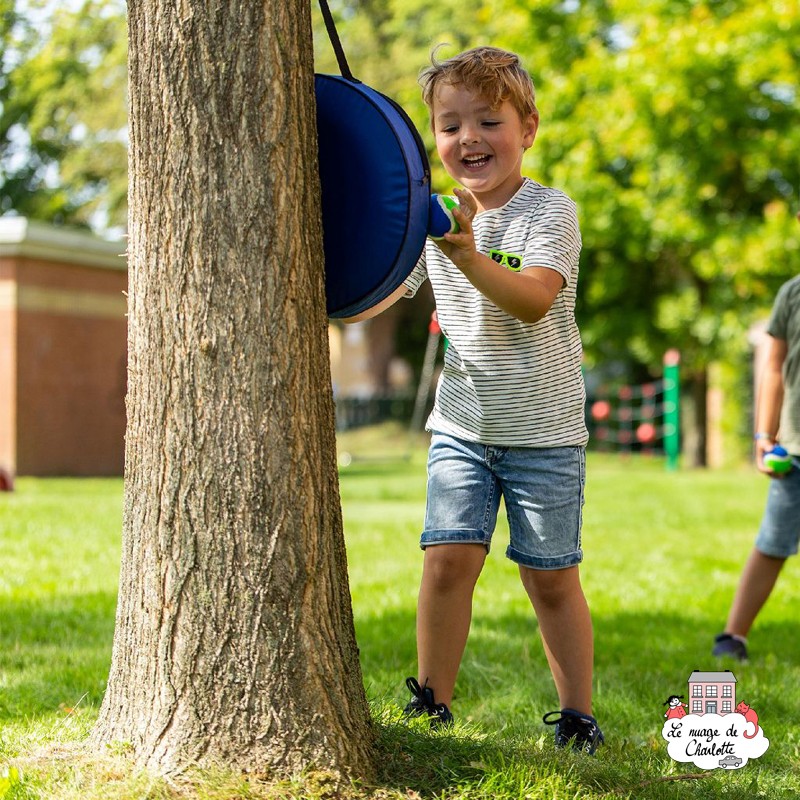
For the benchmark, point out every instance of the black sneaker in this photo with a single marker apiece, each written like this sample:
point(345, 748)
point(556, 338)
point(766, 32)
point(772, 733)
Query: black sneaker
point(726, 644)
point(423, 704)
point(580, 729)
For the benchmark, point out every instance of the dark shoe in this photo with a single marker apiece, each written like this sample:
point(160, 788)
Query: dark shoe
point(423, 704)
point(728, 645)
point(580, 729)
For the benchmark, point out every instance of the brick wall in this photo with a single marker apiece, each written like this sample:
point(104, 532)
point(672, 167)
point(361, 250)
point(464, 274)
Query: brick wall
point(62, 351)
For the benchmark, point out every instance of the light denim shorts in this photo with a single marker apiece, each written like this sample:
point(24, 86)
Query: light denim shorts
point(780, 525)
point(542, 489)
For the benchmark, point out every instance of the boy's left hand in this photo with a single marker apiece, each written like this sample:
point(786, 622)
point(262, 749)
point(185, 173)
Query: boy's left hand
point(460, 247)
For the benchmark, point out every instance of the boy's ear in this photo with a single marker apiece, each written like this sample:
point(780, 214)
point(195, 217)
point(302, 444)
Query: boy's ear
point(529, 127)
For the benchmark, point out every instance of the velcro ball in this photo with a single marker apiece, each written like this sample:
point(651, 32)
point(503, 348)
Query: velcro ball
point(778, 460)
point(440, 216)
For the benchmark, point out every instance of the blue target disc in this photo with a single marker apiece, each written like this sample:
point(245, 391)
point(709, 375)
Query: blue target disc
point(375, 193)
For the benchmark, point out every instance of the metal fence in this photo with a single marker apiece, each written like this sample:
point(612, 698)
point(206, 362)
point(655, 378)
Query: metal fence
point(356, 412)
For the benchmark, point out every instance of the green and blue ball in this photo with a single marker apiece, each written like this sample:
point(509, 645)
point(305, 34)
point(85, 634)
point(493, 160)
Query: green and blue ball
point(440, 216)
point(778, 460)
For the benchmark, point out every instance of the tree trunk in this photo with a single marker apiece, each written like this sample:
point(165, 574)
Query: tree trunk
point(381, 332)
point(695, 424)
point(234, 641)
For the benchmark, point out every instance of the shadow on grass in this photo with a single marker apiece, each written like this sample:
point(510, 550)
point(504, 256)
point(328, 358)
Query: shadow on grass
point(54, 653)
point(640, 659)
point(505, 685)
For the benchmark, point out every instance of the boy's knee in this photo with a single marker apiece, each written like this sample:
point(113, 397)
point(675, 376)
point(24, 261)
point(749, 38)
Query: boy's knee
point(550, 588)
point(450, 567)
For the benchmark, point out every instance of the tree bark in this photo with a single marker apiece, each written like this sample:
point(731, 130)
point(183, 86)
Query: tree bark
point(234, 640)
point(695, 424)
point(381, 333)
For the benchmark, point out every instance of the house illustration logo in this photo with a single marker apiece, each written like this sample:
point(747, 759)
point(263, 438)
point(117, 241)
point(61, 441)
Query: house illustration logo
point(717, 731)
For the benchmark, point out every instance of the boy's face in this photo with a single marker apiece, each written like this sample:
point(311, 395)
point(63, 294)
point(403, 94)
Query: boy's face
point(481, 147)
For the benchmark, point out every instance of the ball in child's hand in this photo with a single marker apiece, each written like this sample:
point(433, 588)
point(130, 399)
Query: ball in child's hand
point(440, 216)
point(778, 460)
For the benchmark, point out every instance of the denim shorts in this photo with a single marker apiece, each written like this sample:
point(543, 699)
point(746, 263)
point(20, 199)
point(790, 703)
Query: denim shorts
point(542, 489)
point(780, 525)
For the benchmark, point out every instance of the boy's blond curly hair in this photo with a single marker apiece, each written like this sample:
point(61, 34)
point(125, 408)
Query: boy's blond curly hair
point(492, 73)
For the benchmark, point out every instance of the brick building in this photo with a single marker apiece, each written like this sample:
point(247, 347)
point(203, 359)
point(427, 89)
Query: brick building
point(63, 345)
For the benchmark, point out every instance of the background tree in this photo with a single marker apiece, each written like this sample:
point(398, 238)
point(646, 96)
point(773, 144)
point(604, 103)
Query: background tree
point(234, 641)
point(63, 129)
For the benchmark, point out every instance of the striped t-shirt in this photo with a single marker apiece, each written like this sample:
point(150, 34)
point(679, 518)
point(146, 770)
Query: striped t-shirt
point(506, 382)
point(784, 324)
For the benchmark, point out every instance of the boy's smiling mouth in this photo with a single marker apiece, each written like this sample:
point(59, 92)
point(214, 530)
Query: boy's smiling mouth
point(476, 161)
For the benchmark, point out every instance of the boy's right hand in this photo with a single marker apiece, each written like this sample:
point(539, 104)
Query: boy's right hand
point(460, 247)
point(763, 446)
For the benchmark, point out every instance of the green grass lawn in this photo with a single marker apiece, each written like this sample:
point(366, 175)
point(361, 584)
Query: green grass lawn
point(663, 553)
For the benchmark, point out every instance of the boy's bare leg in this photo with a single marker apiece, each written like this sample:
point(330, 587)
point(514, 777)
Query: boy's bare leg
point(444, 613)
point(566, 628)
point(758, 579)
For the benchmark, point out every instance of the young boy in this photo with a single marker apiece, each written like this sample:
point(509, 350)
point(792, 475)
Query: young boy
point(778, 413)
point(508, 418)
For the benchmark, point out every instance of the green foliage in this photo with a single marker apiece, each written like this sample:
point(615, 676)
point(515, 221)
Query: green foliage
point(63, 151)
point(678, 139)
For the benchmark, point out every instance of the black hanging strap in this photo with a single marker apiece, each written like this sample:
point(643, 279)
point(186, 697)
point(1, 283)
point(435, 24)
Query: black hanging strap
point(337, 45)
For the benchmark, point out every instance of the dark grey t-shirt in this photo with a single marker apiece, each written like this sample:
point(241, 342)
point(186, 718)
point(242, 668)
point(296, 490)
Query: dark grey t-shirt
point(785, 324)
